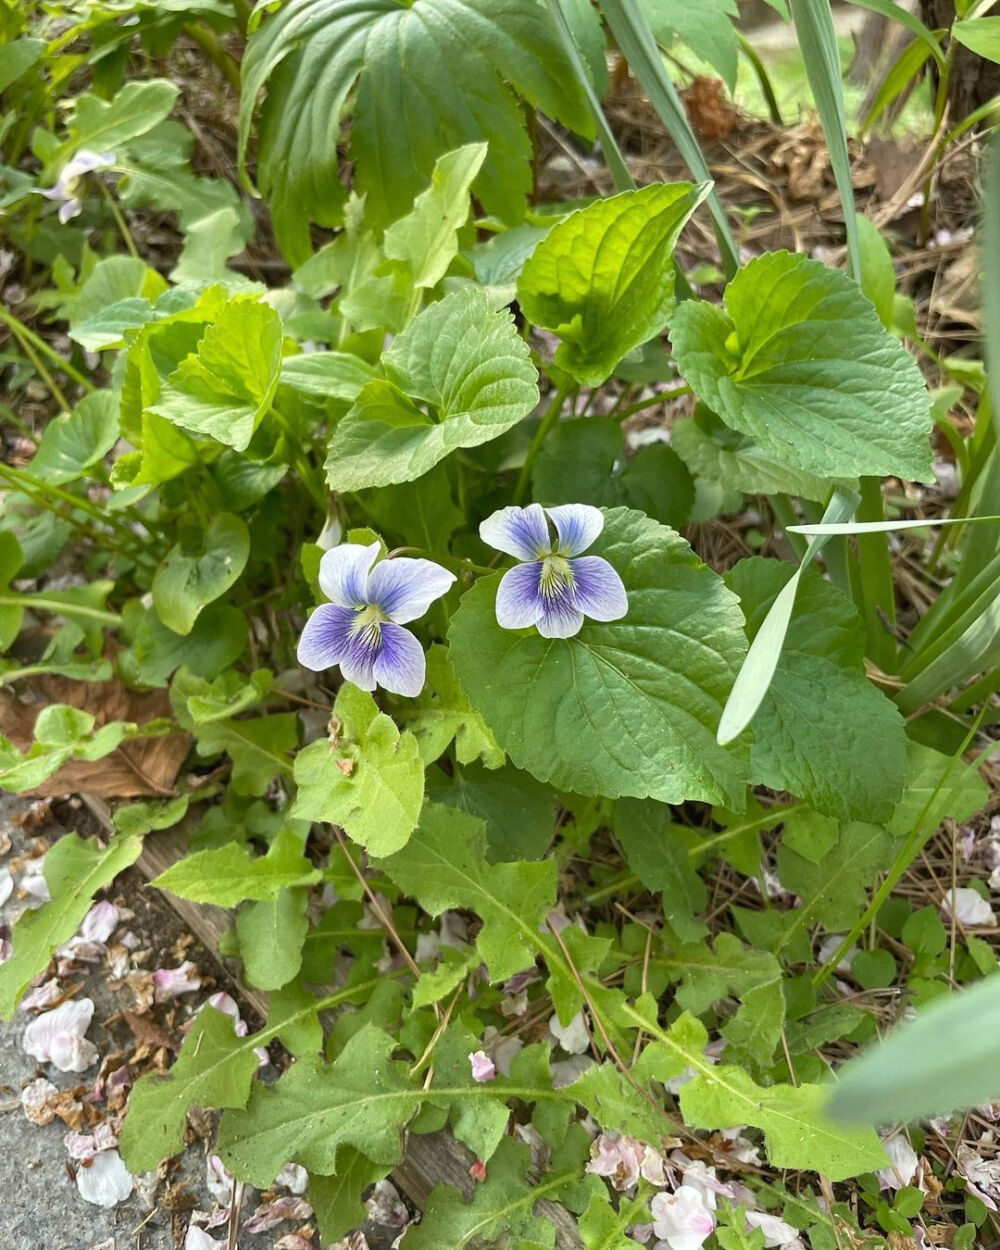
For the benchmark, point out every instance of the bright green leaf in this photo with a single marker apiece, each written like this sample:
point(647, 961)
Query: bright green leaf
point(370, 779)
point(75, 870)
point(461, 359)
point(189, 579)
point(799, 362)
point(230, 874)
point(603, 279)
point(823, 731)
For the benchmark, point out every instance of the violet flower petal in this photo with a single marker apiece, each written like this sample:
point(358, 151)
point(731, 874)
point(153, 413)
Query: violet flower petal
point(598, 591)
point(519, 599)
point(519, 532)
point(404, 589)
point(400, 666)
point(326, 638)
point(343, 573)
point(578, 525)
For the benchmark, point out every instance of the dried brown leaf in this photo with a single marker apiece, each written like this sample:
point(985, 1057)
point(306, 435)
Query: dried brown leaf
point(144, 767)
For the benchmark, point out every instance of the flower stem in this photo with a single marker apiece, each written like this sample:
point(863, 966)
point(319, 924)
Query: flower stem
point(547, 422)
point(34, 347)
point(120, 222)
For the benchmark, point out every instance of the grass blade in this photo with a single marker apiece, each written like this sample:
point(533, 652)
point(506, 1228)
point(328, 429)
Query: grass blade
point(617, 167)
point(818, 43)
point(912, 23)
point(635, 39)
point(757, 672)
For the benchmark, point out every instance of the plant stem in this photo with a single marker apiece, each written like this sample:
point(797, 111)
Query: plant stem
point(547, 422)
point(32, 344)
point(120, 222)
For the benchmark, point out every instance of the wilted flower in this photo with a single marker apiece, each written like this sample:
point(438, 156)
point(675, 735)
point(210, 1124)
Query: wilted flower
point(556, 587)
point(66, 191)
point(361, 627)
point(617, 1158)
point(482, 1066)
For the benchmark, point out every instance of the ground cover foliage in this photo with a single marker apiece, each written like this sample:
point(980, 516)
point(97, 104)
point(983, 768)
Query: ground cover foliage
point(545, 830)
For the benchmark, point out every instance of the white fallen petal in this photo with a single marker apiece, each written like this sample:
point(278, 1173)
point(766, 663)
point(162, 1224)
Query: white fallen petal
point(43, 995)
point(776, 1232)
point(902, 1169)
point(573, 1037)
point(829, 945)
point(106, 1181)
point(80, 1146)
point(169, 982)
point(50, 1036)
point(100, 922)
point(385, 1206)
point(294, 1177)
point(198, 1239)
point(969, 908)
point(681, 1220)
point(482, 1066)
point(618, 1158)
point(6, 885)
point(33, 883)
point(35, 1100)
point(218, 1181)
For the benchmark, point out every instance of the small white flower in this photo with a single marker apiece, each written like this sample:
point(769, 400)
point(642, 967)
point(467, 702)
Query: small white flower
point(682, 1220)
point(482, 1066)
point(573, 1037)
point(57, 1037)
point(903, 1163)
point(105, 1181)
point(66, 191)
point(969, 907)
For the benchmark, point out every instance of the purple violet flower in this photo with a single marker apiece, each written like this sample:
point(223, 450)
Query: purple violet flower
point(556, 587)
point(361, 627)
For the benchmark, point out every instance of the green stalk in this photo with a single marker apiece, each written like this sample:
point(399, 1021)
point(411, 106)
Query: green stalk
point(908, 852)
point(818, 43)
point(617, 167)
point(876, 597)
point(30, 340)
point(635, 38)
point(763, 78)
point(547, 422)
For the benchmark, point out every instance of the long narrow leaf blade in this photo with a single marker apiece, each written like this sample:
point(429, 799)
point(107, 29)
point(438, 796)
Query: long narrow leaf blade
point(757, 672)
point(948, 1058)
point(818, 44)
point(635, 38)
